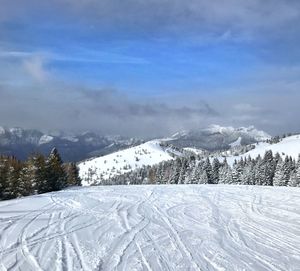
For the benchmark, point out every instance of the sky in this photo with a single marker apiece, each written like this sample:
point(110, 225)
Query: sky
point(149, 68)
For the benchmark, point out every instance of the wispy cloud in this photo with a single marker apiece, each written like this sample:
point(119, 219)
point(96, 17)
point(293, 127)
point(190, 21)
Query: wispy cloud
point(35, 67)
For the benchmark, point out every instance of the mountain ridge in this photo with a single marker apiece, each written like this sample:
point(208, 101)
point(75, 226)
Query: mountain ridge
point(21, 142)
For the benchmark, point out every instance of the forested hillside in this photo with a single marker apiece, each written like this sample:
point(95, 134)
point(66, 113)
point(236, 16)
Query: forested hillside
point(38, 174)
point(267, 170)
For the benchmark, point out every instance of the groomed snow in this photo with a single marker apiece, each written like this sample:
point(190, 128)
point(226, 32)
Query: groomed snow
point(107, 166)
point(194, 227)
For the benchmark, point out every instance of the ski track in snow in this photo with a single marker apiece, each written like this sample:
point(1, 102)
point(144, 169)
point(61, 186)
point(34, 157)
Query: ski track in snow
point(176, 227)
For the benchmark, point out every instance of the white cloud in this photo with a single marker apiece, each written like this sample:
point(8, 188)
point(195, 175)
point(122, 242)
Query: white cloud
point(35, 67)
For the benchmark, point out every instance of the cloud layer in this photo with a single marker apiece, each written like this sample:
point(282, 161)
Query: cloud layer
point(149, 68)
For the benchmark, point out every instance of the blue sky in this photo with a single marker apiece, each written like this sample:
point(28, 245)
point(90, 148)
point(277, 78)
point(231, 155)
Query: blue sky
point(133, 67)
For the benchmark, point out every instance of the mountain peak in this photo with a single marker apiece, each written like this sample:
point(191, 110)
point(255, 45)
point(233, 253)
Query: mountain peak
point(217, 137)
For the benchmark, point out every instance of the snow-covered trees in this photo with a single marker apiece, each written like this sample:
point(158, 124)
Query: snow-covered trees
point(269, 170)
point(283, 171)
point(215, 171)
point(225, 173)
point(35, 175)
point(295, 175)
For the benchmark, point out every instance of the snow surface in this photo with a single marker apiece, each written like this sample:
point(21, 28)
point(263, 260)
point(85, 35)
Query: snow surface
point(236, 143)
point(116, 163)
point(71, 138)
point(179, 227)
point(194, 150)
point(45, 139)
point(16, 131)
point(250, 131)
point(288, 146)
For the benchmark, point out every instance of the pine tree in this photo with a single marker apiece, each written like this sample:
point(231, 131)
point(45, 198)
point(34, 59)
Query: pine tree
point(225, 173)
point(72, 172)
point(174, 178)
point(26, 187)
point(14, 167)
point(208, 169)
point(36, 174)
point(215, 171)
point(282, 172)
point(56, 176)
point(267, 169)
point(237, 171)
point(4, 192)
point(183, 171)
point(203, 178)
point(258, 172)
point(293, 181)
point(195, 174)
point(295, 175)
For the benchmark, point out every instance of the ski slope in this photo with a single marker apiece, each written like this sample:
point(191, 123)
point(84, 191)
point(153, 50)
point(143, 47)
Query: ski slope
point(194, 227)
point(153, 152)
point(289, 146)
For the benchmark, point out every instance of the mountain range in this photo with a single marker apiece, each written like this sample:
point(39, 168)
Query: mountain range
point(22, 142)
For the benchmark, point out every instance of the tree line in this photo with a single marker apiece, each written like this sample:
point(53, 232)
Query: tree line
point(267, 170)
point(38, 174)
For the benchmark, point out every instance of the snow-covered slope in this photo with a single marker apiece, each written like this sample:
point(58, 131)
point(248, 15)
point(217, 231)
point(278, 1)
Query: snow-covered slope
point(153, 152)
point(216, 137)
point(250, 131)
point(177, 227)
point(288, 146)
point(194, 151)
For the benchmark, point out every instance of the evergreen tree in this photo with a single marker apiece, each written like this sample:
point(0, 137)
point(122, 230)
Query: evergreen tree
point(237, 171)
point(295, 175)
point(72, 172)
point(215, 171)
point(56, 176)
point(282, 172)
point(195, 174)
point(25, 182)
point(174, 178)
point(183, 171)
point(258, 172)
point(4, 187)
point(203, 178)
point(36, 174)
point(14, 167)
point(208, 169)
point(225, 173)
point(267, 169)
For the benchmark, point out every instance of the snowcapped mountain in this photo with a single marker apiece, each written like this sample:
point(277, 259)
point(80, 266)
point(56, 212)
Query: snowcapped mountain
point(153, 152)
point(216, 137)
point(22, 142)
point(288, 146)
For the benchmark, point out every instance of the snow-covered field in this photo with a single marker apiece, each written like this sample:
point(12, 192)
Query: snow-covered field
point(177, 227)
point(152, 152)
point(289, 146)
